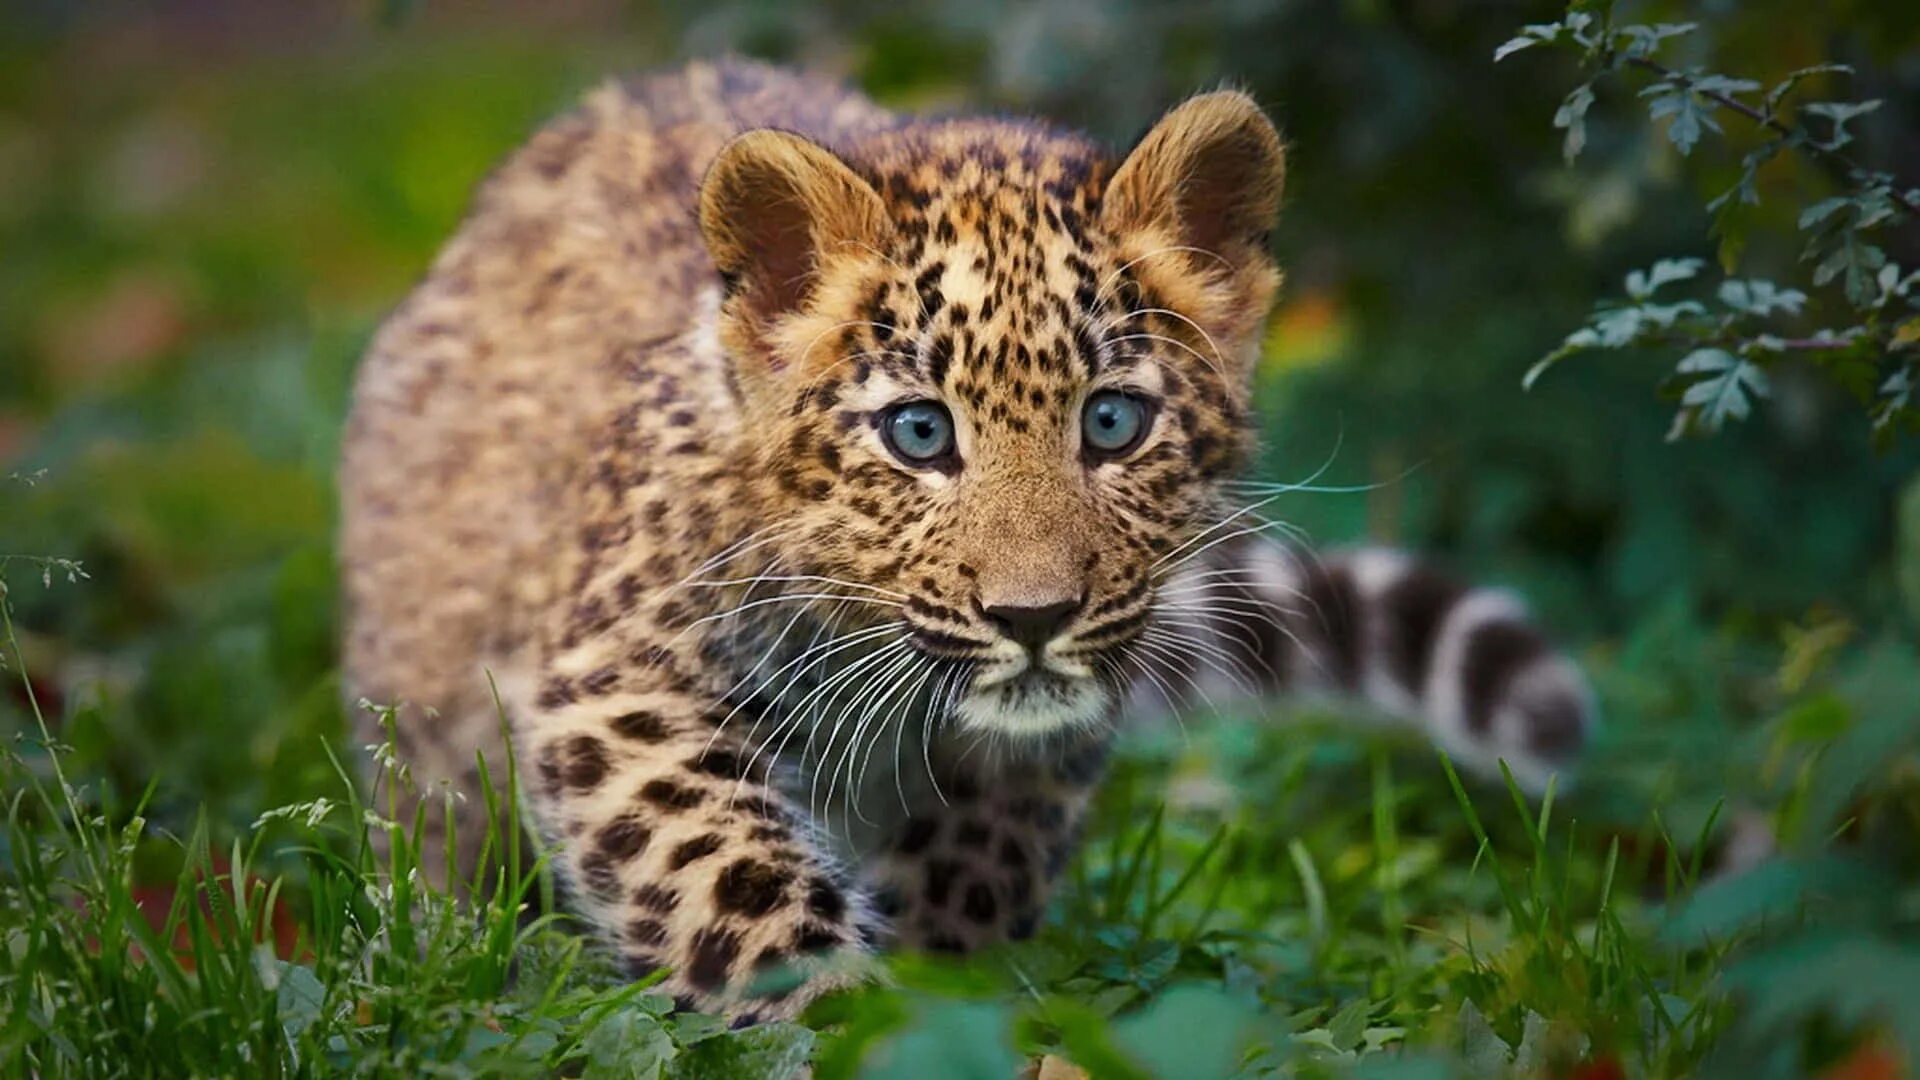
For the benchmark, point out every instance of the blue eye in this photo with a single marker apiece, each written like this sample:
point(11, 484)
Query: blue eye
point(1114, 423)
point(919, 432)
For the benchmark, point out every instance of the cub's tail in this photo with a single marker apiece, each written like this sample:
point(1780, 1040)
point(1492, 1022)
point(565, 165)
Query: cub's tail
point(1468, 664)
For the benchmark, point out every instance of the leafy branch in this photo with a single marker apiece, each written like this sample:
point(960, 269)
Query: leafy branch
point(1873, 352)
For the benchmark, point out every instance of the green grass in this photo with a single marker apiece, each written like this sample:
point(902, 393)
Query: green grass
point(1254, 899)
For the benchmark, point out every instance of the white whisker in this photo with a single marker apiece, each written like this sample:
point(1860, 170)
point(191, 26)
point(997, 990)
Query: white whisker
point(1101, 293)
point(814, 578)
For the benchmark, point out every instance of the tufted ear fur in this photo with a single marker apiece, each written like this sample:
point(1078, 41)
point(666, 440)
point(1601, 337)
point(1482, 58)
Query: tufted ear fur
point(1207, 179)
point(774, 208)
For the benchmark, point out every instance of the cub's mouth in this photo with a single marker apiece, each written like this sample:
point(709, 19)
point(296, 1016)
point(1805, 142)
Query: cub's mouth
point(1027, 685)
point(1033, 701)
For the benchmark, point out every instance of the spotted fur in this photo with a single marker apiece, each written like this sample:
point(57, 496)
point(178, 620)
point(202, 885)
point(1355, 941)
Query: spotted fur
point(777, 691)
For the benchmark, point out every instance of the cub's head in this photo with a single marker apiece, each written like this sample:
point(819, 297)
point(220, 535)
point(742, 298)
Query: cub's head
point(995, 379)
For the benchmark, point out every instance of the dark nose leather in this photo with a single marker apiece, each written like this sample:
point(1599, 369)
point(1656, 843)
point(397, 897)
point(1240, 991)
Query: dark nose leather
point(1032, 626)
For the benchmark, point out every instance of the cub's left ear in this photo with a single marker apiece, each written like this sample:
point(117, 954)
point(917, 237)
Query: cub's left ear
point(774, 209)
point(1207, 178)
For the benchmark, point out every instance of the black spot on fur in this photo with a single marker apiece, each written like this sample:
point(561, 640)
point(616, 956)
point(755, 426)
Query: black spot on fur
point(972, 834)
point(646, 932)
point(549, 768)
point(919, 833)
point(939, 885)
point(1414, 608)
point(554, 693)
point(623, 838)
point(724, 764)
point(755, 806)
point(711, 958)
point(599, 874)
point(645, 726)
point(671, 796)
point(1020, 890)
point(751, 888)
point(693, 850)
point(825, 901)
point(979, 904)
point(814, 938)
point(1332, 610)
point(656, 898)
point(586, 763)
point(1495, 653)
point(599, 682)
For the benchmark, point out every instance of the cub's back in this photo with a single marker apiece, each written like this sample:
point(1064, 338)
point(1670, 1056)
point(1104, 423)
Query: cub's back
point(485, 392)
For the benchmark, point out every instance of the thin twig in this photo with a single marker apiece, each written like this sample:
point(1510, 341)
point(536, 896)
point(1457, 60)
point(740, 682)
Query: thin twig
point(1768, 121)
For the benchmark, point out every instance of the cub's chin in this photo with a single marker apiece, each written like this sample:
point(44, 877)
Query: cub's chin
point(1035, 704)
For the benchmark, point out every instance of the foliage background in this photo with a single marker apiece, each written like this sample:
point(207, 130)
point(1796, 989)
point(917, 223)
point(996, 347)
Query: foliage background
point(205, 208)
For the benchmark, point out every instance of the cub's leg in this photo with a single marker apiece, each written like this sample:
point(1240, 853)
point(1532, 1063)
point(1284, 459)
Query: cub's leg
point(976, 868)
point(1467, 664)
point(686, 860)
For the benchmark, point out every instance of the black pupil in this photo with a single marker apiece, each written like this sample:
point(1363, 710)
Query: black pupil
point(923, 428)
point(1108, 415)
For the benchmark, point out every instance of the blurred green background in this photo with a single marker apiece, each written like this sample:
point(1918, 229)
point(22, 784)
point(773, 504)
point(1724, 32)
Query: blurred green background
point(206, 207)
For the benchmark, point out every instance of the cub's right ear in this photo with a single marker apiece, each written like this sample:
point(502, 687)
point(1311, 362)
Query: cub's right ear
point(774, 207)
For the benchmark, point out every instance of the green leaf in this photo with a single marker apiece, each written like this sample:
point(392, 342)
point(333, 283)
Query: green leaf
point(1785, 86)
point(771, 1050)
point(1349, 1025)
point(1855, 979)
point(1855, 262)
point(1896, 397)
point(1726, 388)
point(1681, 108)
point(1513, 45)
point(1482, 1049)
point(629, 1045)
point(1545, 1043)
point(953, 1040)
point(1572, 118)
point(1190, 1031)
point(1822, 210)
point(1727, 906)
point(1756, 297)
point(298, 996)
point(1643, 41)
point(1641, 285)
point(1529, 36)
point(1840, 113)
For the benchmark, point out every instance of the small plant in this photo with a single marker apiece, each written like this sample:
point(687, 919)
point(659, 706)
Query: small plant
point(1865, 309)
point(303, 947)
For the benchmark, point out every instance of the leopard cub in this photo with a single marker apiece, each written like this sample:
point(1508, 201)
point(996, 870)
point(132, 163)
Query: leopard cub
point(820, 486)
